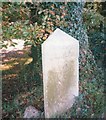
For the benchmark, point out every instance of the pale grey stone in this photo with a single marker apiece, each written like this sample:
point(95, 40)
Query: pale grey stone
point(31, 112)
point(60, 54)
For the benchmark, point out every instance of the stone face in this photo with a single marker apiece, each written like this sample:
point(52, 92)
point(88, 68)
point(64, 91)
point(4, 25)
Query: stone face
point(60, 54)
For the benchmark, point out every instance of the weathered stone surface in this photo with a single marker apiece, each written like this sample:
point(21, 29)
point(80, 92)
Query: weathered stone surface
point(60, 54)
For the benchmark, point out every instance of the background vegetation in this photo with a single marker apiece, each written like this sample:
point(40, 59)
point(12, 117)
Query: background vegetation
point(34, 23)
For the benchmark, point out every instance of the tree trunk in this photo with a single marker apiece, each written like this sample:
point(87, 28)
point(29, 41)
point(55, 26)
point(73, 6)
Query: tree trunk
point(90, 76)
point(90, 101)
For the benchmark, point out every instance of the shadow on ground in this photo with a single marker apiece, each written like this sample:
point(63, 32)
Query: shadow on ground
point(21, 84)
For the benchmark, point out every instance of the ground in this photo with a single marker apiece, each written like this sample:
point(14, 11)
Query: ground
point(19, 86)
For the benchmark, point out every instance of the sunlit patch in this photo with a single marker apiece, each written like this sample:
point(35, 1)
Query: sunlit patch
point(6, 60)
point(20, 52)
point(19, 45)
point(10, 61)
point(16, 63)
point(28, 61)
point(5, 67)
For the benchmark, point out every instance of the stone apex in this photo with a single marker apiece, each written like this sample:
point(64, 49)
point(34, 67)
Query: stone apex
point(60, 37)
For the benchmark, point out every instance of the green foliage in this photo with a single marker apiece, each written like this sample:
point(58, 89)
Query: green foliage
point(46, 17)
point(15, 11)
point(94, 23)
point(97, 44)
point(92, 19)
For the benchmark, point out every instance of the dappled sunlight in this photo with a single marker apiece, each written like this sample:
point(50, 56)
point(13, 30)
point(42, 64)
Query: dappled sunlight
point(25, 28)
point(20, 52)
point(18, 80)
point(5, 67)
point(29, 60)
point(19, 45)
point(8, 77)
point(10, 63)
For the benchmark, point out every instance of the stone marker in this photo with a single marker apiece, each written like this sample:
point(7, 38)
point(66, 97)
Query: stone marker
point(60, 54)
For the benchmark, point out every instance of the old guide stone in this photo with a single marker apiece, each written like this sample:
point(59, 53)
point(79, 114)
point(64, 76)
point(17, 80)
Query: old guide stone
point(60, 54)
